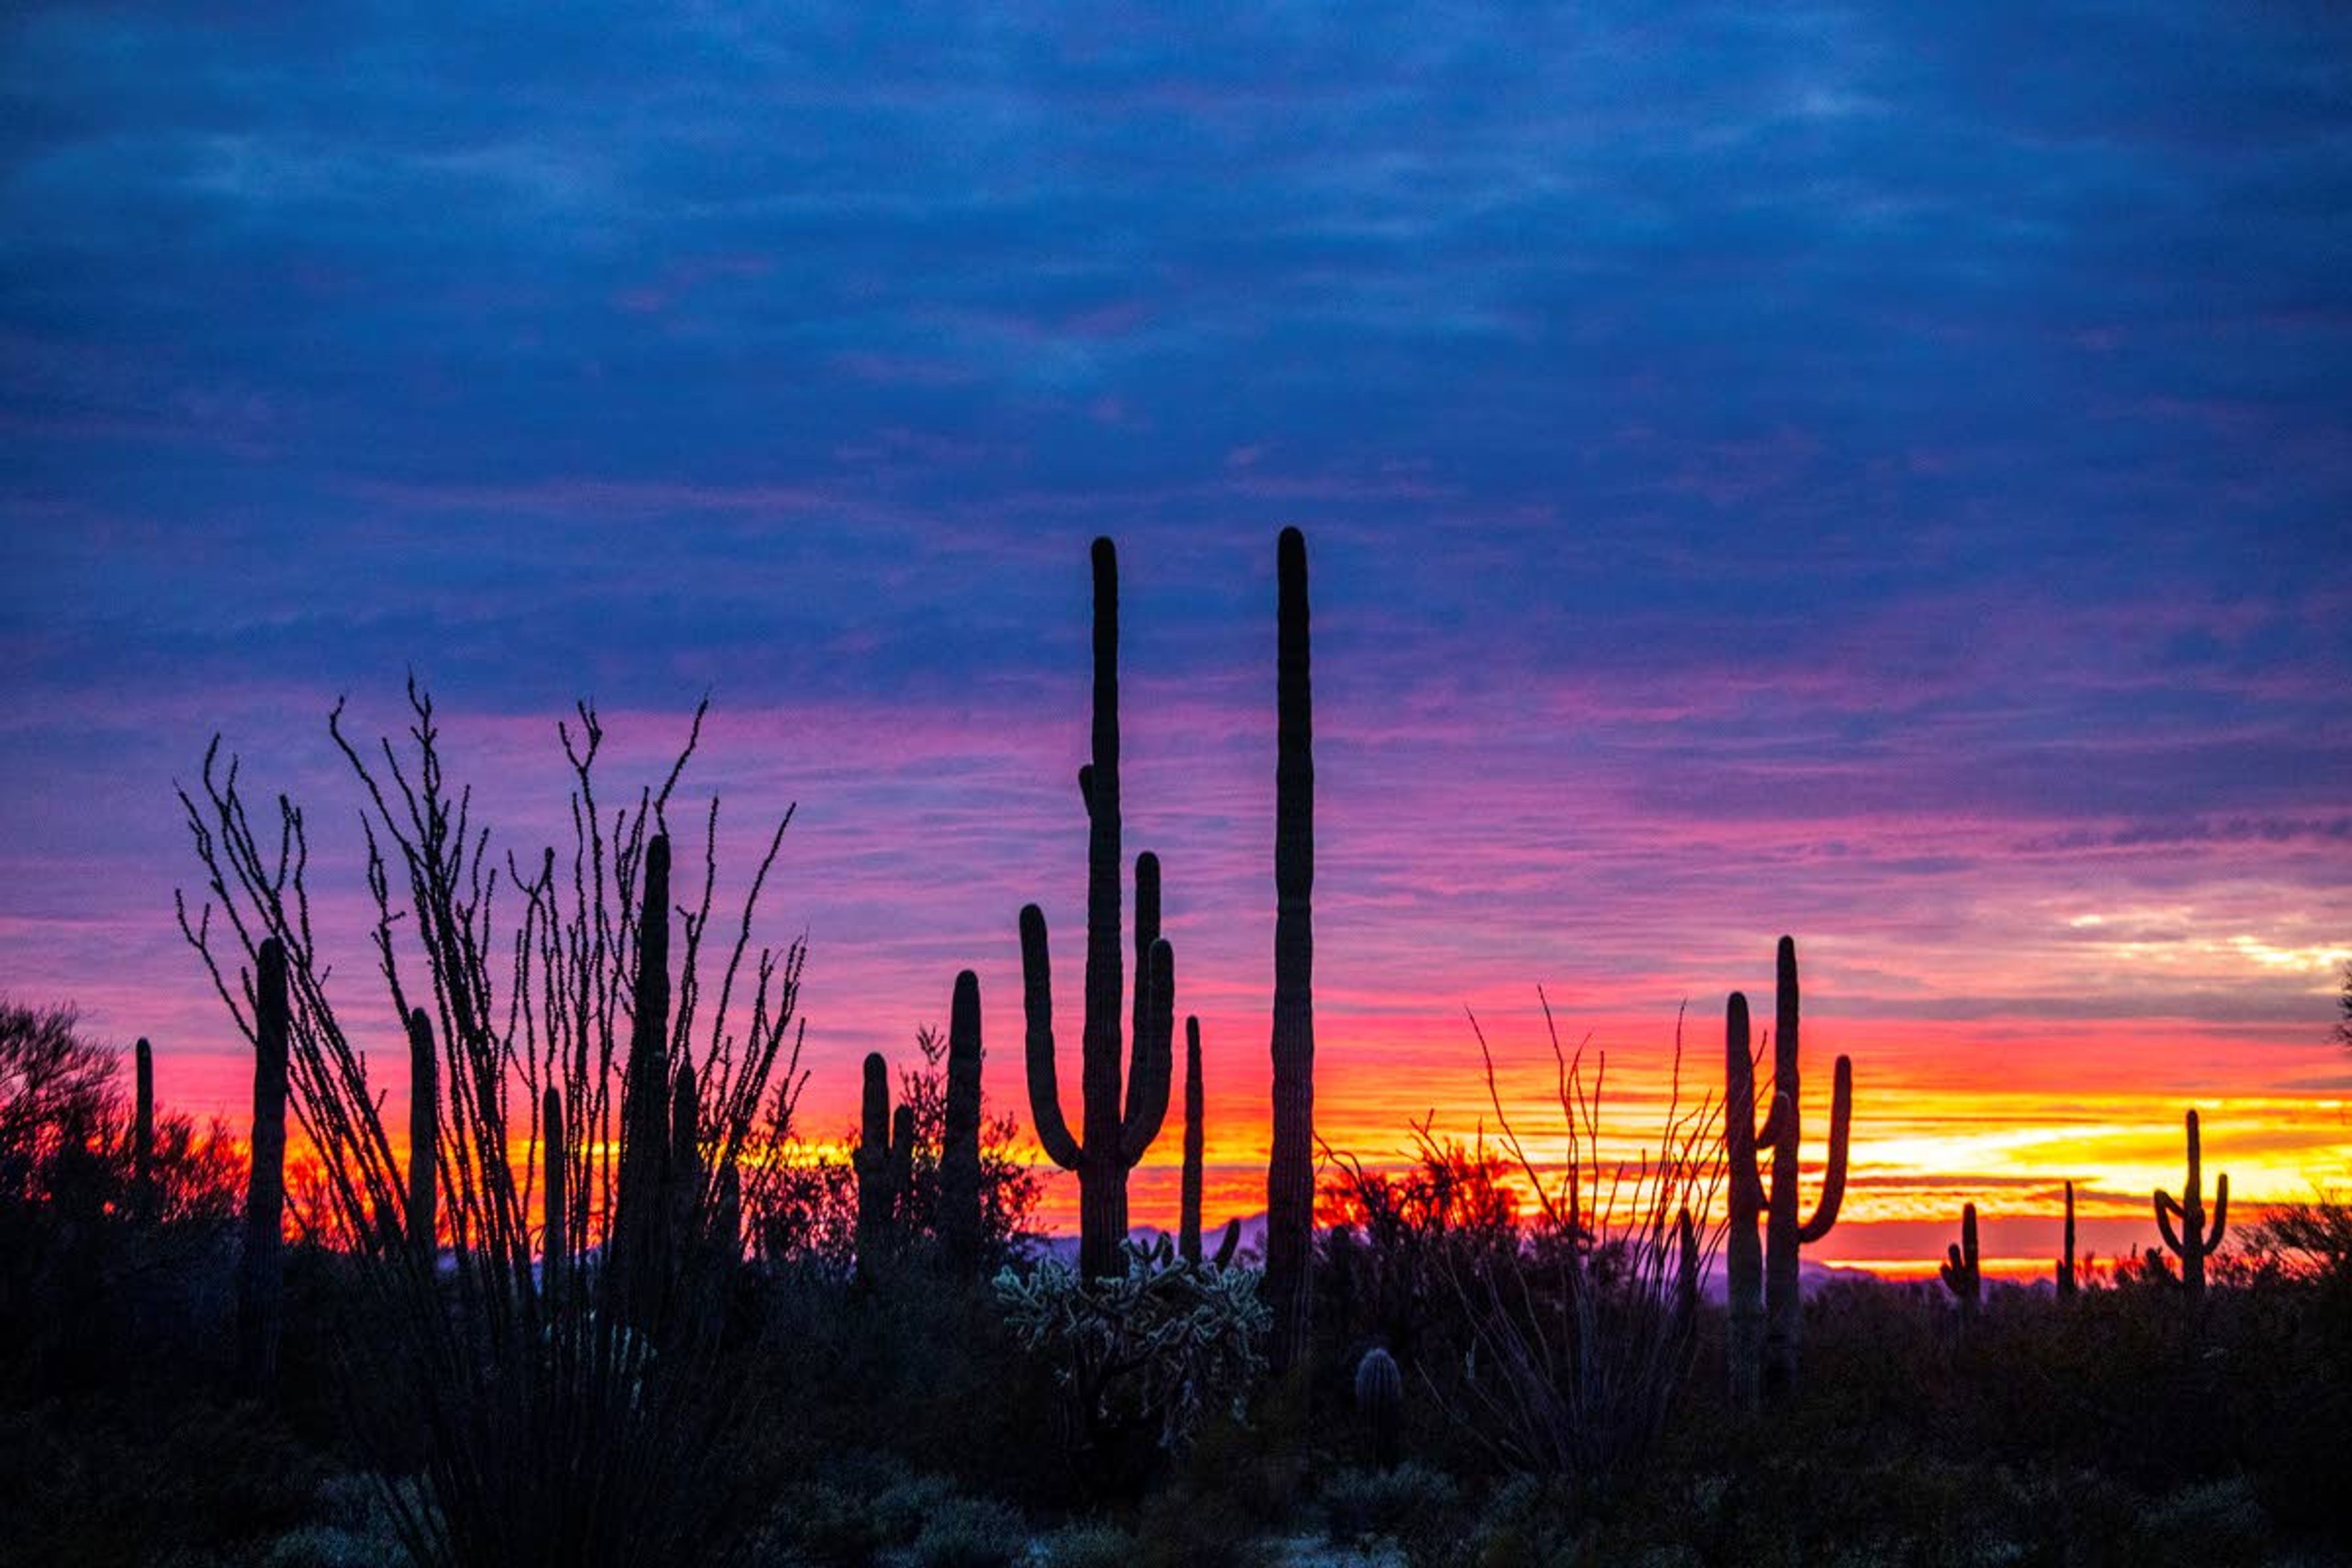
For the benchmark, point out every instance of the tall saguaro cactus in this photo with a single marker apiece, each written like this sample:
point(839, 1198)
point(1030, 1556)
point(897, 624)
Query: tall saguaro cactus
point(959, 1217)
point(2066, 1259)
point(1785, 1233)
point(1743, 1248)
point(2192, 1243)
point(261, 1268)
point(423, 1115)
point(1123, 1109)
point(639, 1242)
point(1187, 1201)
point(1290, 1170)
point(1961, 1270)
point(142, 1133)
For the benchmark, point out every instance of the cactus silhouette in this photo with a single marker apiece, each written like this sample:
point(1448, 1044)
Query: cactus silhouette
point(1685, 1273)
point(685, 1157)
point(884, 1148)
point(1231, 1244)
point(959, 1215)
point(639, 1243)
point(2193, 1242)
point(1116, 1134)
point(424, 1108)
point(2066, 1257)
point(261, 1268)
point(1784, 1233)
point(142, 1133)
point(1188, 1203)
point(1379, 1401)
point(555, 1253)
point(1961, 1271)
point(1743, 1248)
point(1290, 1169)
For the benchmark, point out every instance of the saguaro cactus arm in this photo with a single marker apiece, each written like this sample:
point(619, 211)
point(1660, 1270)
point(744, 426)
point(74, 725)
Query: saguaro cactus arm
point(1825, 1212)
point(1146, 1085)
point(1037, 1005)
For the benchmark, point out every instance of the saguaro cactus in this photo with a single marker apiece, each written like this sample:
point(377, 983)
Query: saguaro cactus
point(142, 1133)
point(884, 1148)
point(639, 1243)
point(1743, 1248)
point(1290, 1170)
point(261, 1268)
point(2066, 1259)
point(555, 1252)
point(1785, 1233)
point(1188, 1200)
point(959, 1216)
point(2192, 1243)
point(685, 1156)
point(1961, 1271)
point(423, 1112)
point(1685, 1273)
point(1115, 1135)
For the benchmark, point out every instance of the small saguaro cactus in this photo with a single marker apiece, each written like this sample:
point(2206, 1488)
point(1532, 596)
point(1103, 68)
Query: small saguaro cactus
point(424, 1110)
point(1379, 1401)
point(2066, 1257)
point(142, 1133)
point(685, 1156)
point(959, 1215)
point(1686, 1264)
point(555, 1253)
point(261, 1267)
point(2193, 1242)
point(1187, 1201)
point(1961, 1271)
point(1230, 1245)
point(885, 1153)
point(1123, 1107)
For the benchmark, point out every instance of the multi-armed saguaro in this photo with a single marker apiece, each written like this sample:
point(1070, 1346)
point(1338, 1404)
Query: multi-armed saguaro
point(1775, 1299)
point(1290, 1170)
point(2193, 1242)
point(1116, 1133)
point(1961, 1270)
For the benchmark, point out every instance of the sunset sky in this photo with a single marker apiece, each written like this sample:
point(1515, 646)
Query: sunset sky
point(1881, 474)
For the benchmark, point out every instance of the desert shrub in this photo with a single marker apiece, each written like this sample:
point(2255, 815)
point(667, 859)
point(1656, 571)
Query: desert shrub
point(1088, 1545)
point(1409, 1504)
point(1151, 1350)
point(969, 1533)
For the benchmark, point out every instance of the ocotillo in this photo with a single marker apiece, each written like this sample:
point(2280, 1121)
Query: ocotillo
point(1290, 1169)
point(2192, 1243)
point(1120, 1118)
point(1961, 1271)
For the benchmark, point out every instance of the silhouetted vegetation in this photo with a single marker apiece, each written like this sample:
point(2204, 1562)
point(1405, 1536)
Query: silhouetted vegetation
point(616, 1305)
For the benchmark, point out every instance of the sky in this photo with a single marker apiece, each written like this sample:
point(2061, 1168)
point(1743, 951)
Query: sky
point(1879, 474)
